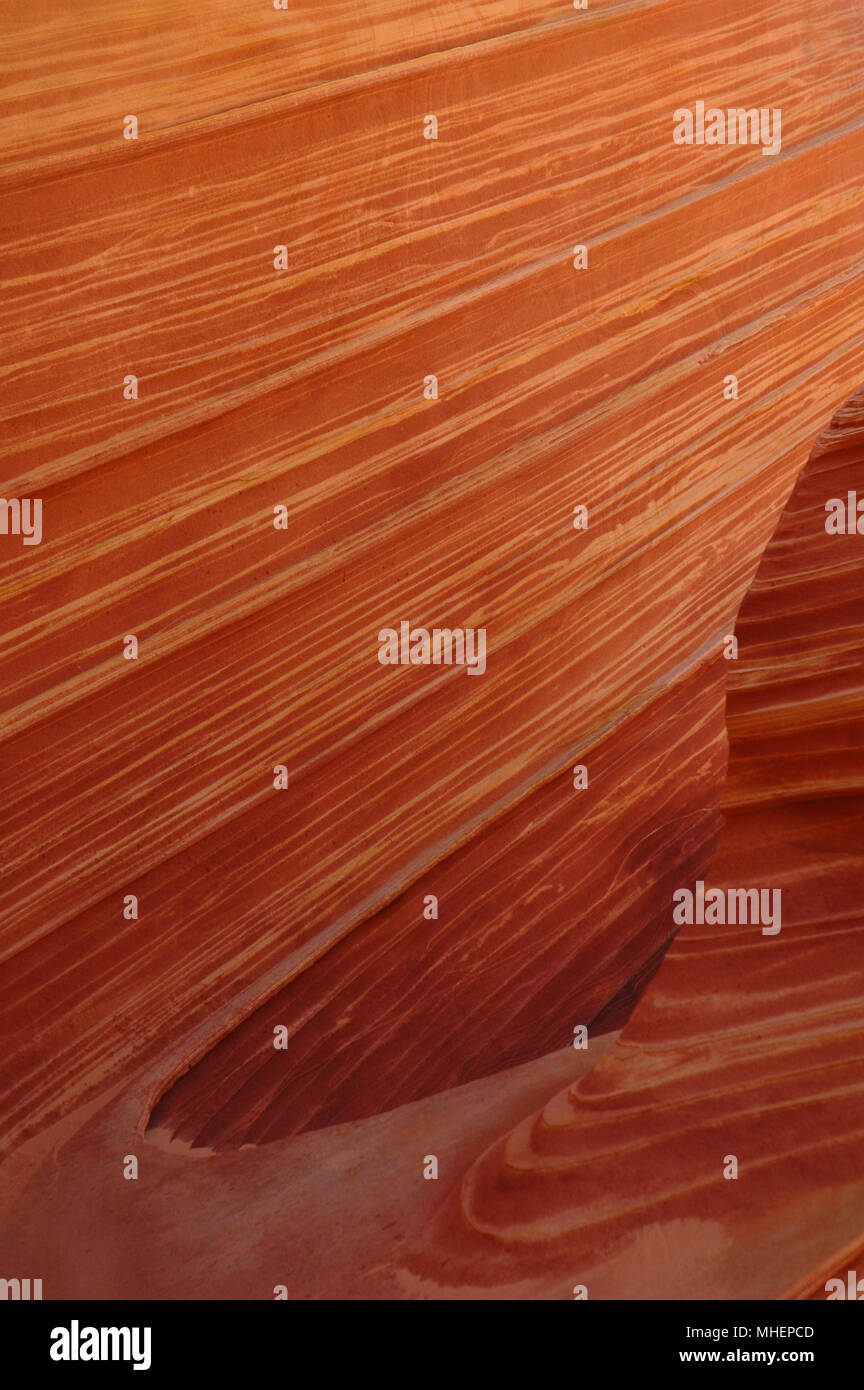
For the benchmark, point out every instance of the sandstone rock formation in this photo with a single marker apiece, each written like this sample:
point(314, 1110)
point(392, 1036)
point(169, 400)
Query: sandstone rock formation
point(303, 908)
point(744, 1044)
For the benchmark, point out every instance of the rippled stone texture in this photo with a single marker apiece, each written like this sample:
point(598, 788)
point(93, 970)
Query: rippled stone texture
point(744, 1045)
point(558, 387)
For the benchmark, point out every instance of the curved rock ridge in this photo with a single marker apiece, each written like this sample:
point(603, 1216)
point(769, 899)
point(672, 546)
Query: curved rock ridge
point(744, 1045)
point(794, 705)
point(362, 1022)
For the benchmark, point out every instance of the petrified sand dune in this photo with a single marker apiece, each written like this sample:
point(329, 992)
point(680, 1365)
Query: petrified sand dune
point(743, 1045)
point(303, 387)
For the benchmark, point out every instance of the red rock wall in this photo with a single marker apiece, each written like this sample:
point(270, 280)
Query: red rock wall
point(304, 387)
point(745, 1044)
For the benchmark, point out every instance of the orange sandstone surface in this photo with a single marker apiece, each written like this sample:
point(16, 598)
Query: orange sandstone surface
point(410, 1035)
